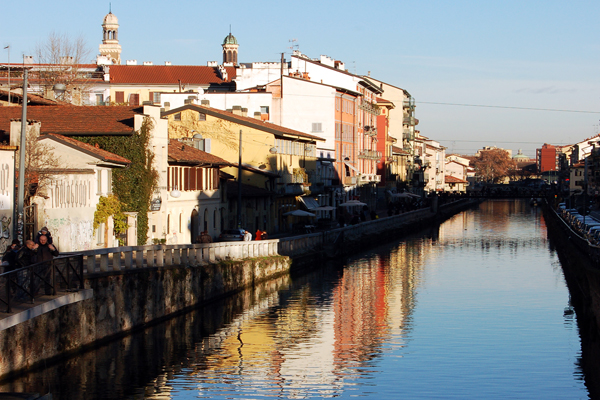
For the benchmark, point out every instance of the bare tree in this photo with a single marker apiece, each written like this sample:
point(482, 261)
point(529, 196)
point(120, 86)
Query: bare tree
point(41, 165)
point(62, 60)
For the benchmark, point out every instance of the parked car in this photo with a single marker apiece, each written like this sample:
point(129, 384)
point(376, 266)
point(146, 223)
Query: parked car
point(232, 235)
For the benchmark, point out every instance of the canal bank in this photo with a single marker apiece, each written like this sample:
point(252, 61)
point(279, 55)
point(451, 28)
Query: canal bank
point(129, 299)
point(582, 276)
point(470, 308)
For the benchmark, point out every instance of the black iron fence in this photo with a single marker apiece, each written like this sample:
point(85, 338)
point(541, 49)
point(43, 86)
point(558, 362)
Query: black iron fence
point(24, 285)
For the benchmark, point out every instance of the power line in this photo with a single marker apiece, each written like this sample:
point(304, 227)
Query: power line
point(508, 107)
point(491, 140)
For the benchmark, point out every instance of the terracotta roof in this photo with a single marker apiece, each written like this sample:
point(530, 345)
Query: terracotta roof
point(87, 148)
point(168, 74)
point(247, 121)
point(399, 150)
point(453, 179)
point(32, 99)
point(182, 153)
point(71, 121)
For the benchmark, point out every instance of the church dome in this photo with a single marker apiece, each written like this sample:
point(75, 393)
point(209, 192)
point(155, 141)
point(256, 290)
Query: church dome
point(110, 19)
point(230, 39)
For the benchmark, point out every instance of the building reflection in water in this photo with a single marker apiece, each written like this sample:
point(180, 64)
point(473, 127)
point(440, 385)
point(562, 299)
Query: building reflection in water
point(310, 336)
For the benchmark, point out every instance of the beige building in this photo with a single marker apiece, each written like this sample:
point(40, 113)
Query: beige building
point(276, 160)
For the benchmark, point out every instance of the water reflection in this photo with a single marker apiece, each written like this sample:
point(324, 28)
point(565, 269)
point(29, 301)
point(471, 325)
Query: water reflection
point(472, 308)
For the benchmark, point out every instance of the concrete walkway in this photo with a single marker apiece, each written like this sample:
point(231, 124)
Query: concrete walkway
point(25, 311)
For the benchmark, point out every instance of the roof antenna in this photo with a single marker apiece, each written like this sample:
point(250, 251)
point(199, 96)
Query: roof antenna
point(109, 8)
point(229, 29)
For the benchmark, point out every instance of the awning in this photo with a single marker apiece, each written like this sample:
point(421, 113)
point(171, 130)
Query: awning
point(309, 202)
point(353, 168)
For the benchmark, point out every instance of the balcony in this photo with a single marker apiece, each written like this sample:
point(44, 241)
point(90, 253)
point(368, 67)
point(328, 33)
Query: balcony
point(410, 121)
point(369, 154)
point(350, 180)
point(369, 107)
point(370, 130)
point(291, 189)
point(365, 178)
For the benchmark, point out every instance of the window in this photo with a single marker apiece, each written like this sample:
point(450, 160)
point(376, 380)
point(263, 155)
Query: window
point(177, 117)
point(155, 97)
point(99, 99)
point(201, 117)
point(119, 97)
point(109, 181)
point(264, 109)
point(99, 179)
point(317, 127)
point(134, 99)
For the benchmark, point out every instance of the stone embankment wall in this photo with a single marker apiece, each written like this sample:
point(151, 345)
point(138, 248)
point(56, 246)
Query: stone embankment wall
point(129, 288)
point(351, 239)
point(125, 300)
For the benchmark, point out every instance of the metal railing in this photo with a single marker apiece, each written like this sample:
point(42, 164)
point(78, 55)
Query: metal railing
point(63, 273)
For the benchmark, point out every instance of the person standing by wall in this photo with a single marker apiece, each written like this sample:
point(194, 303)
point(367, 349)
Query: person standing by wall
point(45, 250)
point(45, 253)
point(10, 256)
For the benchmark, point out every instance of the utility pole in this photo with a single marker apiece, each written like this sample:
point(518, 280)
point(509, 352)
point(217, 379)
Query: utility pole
point(21, 194)
point(239, 200)
point(8, 48)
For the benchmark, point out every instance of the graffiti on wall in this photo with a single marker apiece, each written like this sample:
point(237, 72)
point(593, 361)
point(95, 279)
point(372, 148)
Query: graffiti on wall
point(74, 235)
point(5, 227)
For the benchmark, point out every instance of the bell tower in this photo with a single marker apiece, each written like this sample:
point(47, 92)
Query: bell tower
point(110, 46)
point(230, 49)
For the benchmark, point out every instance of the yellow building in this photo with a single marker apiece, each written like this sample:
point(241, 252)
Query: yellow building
point(276, 161)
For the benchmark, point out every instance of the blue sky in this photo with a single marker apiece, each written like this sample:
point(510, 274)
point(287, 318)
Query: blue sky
point(531, 54)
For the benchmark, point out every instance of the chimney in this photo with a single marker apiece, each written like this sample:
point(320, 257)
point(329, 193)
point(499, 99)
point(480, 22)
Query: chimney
point(15, 130)
point(257, 115)
point(237, 110)
point(244, 112)
point(167, 63)
point(131, 62)
point(147, 62)
point(167, 106)
point(205, 103)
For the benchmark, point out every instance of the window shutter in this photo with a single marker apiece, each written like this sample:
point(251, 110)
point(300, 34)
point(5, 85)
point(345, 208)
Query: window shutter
point(119, 97)
point(169, 171)
point(151, 97)
point(186, 179)
point(134, 99)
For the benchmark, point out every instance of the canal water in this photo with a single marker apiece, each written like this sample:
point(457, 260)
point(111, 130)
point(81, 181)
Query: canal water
point(474, 308)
